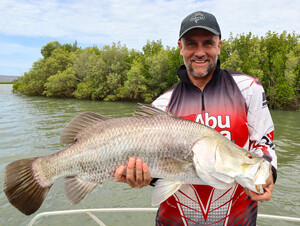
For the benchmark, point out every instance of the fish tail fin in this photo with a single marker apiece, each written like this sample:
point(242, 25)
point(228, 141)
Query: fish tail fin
point(21, 187)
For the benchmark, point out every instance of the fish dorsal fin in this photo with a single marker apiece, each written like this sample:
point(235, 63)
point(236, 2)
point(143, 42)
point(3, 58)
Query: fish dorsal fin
point(146, 110)
point(77, 189)
point(77, 124)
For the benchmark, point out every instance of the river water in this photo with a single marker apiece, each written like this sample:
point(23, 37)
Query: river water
point(31, 126)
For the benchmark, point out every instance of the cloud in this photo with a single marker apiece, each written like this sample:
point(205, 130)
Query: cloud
point(89, 21)
point(15, 59)
point(14, 67)
point(8, 48)
point(257, 17)
point(133, 22)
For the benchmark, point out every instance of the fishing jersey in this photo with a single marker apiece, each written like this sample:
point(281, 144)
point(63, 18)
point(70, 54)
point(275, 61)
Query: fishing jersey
point(235, 105)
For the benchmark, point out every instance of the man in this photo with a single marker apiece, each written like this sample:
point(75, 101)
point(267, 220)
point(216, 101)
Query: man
point(230, 102)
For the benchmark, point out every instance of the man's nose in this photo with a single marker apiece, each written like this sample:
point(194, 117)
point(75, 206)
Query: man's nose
point(200, 51)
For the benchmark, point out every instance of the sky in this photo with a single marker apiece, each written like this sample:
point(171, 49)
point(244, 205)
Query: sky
point(27, 25)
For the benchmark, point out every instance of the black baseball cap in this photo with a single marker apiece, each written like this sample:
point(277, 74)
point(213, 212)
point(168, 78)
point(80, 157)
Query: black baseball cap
point(202, 20)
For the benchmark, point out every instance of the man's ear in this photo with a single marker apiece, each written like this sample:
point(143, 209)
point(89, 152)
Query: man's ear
point(219, 47)
point(180, 46)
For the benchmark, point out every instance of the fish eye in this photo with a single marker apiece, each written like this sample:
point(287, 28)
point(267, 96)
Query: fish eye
point(250, 156)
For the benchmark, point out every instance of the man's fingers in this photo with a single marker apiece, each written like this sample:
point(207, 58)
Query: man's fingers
point(147, 178)
point(259, 197)
point(266, 196)
point(139, 173)
point(130, 172)
point(247, 191)
point(119, 174)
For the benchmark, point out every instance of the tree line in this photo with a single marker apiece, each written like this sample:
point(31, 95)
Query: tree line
point(116, 73)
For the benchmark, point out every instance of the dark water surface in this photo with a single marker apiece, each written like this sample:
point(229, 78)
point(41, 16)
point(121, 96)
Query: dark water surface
point(31, 126)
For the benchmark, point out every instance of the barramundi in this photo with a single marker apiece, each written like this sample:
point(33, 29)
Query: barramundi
point(177, 151)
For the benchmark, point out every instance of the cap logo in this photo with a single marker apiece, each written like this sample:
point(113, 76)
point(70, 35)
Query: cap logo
point(197, 17)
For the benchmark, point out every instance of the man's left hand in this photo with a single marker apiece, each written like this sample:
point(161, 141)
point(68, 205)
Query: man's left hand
point(266, 196)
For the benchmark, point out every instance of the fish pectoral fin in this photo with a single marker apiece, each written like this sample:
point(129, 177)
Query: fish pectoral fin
point(82, 121)
point(172, 166)
point(77, 189)
point(164, 188)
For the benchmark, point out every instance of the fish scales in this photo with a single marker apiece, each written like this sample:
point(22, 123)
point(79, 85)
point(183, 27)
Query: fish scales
point(105, 145)
point(177, 150)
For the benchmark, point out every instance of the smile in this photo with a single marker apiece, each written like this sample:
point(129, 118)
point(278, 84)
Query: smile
point(200, 62)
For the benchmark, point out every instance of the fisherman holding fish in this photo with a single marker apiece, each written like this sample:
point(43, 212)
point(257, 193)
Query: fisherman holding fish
point(230, 102)
point(207, 143)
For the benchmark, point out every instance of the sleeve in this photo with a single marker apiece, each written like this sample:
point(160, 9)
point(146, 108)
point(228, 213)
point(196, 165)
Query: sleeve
point(260, 124)
point(163, 101)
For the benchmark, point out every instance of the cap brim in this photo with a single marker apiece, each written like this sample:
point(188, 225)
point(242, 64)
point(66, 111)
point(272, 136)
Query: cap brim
point(200, 27)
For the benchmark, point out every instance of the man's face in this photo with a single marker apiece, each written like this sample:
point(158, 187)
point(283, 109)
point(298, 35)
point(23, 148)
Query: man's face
point(200, 49)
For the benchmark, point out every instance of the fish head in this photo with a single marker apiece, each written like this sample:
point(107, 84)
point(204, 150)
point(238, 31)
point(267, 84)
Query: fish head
point(219, 162)
point(204, 158)
point(250, 158)
point(247, 168)
point(255, 175)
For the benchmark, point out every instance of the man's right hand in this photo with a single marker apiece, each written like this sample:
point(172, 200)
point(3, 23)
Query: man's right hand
point(137, 173)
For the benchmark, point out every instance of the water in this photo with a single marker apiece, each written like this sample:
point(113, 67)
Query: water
point(31, 126)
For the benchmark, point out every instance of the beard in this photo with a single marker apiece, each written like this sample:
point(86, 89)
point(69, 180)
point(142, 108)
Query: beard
point(210, 69)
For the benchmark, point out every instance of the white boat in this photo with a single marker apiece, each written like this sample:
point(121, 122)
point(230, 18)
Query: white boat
point(143, 210)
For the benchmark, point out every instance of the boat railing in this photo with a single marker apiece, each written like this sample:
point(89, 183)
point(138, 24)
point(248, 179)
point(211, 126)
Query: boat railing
point(112, 210)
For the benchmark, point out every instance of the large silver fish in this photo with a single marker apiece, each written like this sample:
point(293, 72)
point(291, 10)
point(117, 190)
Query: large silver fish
point(177, 150)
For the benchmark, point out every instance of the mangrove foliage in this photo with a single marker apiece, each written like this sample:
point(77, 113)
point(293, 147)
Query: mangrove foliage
point(115, 73)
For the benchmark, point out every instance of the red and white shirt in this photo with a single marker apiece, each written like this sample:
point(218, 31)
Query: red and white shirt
point(235, 105)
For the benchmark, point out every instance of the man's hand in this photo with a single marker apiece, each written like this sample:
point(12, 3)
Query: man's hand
point(137, 173)
point(266, 196)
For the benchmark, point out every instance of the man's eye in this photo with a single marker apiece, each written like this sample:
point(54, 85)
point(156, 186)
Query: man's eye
point(191, 44)
point(209, 43)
